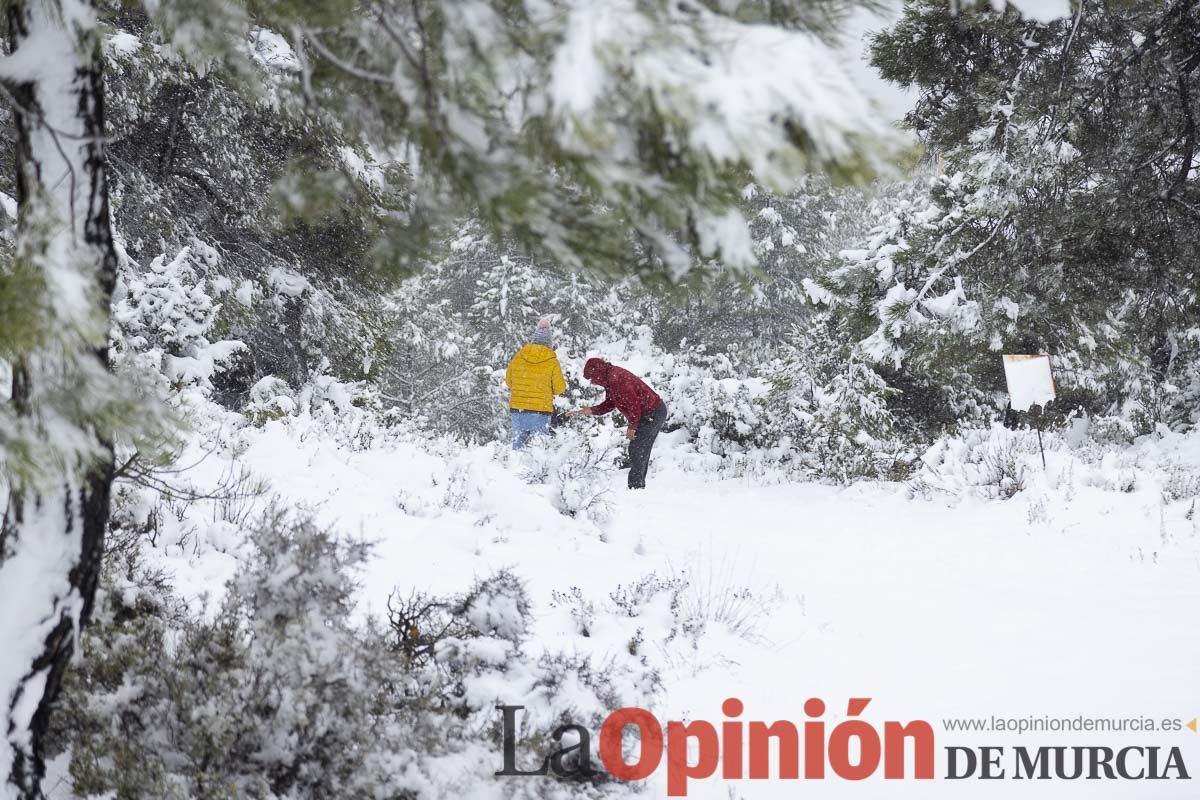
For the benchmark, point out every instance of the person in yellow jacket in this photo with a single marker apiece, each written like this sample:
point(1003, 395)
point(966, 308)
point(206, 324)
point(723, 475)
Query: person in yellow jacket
point(534, 378)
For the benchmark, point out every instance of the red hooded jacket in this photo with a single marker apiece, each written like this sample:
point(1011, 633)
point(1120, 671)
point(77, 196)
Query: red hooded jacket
point(623, 391)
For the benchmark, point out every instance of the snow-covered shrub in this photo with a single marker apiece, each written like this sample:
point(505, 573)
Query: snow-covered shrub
point(582, 610)
point(1002, 473)
point(268, 388)
point(416, 503)
point(850, 421)
point(161, 507)
point(1109, 431)
point(306, 695)
point(347, 412)
point(632, 599)
point(165, 315)
point(664, 617)
point(444, 635)
point(658, 603)
point(170, 305)
point(279, 693)
point(464, 485)
point(236, 500)
point(988, 462)
point(712, 591)
point(1174, 400)
point(576, 467)
point(464, 655)
point(722, 412)
point(325, 394)
point(152, 516)
point(579, 485)
point(1180, 482)
point(115, 708)
point(276, 695)
point(1184, 409)
point(827, 412)
point(270, 398)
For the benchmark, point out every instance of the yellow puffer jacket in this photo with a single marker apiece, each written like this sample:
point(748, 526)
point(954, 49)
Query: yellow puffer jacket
point(534, 377)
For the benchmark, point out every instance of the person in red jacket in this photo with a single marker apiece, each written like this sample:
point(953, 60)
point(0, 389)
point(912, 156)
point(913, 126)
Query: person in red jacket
point(643, 409)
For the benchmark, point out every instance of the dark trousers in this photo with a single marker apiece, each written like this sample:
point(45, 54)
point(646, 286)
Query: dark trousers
point(639, 449)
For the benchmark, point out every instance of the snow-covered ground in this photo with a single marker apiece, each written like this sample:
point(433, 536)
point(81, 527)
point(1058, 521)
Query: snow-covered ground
point(1076, 597)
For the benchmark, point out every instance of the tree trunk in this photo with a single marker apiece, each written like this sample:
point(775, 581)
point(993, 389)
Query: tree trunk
point(52, 539)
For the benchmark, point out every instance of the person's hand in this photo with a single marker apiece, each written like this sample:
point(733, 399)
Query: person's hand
point(579, 412)
point(630, 432)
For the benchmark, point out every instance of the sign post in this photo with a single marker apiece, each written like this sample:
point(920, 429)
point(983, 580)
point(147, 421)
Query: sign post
point(1030, 383)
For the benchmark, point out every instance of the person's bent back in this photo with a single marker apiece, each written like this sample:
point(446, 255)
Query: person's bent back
point(534, 377)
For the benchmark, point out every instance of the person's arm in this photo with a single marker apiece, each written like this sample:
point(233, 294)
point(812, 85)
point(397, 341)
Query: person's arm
point(558, 384)
point(605, 406)
point(593, 411)
point(633, 421)
point(508, 374)
point(634, 418)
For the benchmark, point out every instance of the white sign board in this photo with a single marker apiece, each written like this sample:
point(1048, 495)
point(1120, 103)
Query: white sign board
point(1030, 382)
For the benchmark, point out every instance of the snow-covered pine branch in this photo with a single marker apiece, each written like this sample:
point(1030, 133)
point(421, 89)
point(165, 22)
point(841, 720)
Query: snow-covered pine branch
point(611, 136)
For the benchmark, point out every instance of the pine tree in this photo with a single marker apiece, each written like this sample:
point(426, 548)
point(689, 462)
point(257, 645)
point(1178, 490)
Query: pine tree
point(57, 429)
point(1065, 217)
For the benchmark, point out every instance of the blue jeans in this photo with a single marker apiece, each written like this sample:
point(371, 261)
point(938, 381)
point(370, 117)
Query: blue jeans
point(526, 424)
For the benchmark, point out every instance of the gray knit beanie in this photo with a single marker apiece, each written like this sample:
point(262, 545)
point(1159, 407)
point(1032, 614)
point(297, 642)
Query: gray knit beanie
point(542, 334)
